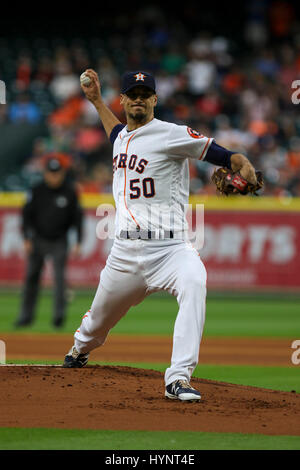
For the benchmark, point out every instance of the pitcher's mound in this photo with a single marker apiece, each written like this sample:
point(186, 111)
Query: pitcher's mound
point(108, 397)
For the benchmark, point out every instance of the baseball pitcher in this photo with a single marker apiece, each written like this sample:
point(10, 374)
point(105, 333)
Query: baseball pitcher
point(151, 251)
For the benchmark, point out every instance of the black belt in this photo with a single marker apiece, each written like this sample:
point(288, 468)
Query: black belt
point(146, 234)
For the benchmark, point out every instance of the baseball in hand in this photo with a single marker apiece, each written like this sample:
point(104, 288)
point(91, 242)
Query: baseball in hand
point(85, 80)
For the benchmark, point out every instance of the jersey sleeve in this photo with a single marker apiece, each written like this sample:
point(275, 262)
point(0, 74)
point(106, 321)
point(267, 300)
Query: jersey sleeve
point(184, 142)
point(218, 155)
point(115, 132)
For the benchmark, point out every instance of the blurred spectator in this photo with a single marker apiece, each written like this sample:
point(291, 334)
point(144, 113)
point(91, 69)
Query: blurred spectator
point(99, 180)
point(44, 72)
point(173, 60)
point(65, 83)
point(231, 137)
point(273, 156)
point(287, 73)
point(89, 115)
point(281, 17)
point(88, 143)
point(81, 59)
point(23, 73)
point(159, 35)
point(294, 153)
point(68, 113)
point(267, 64)
point(24, 110)
point(165, 85)
point(220, 48)
point(233, 81)
point(109, 78)
point(235, 87)
point(200, 71)
point(209, 105)
point(258, 103)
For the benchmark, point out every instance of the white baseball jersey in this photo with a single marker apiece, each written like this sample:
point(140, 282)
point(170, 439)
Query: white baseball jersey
point(151, 176)
point(151, 181)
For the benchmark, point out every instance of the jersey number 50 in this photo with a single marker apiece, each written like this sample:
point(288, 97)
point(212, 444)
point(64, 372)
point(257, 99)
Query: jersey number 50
point(147, 187)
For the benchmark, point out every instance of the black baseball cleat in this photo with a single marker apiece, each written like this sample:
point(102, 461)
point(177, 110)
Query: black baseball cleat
point(23, 322)
point(58, 322)
point(181, 390)
point(74, 359)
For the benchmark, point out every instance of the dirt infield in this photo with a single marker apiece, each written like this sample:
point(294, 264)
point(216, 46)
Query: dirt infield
point(263, 352)
point(108, 397)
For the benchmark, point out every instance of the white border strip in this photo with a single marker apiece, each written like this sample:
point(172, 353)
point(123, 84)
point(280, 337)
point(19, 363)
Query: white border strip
point(2, 352)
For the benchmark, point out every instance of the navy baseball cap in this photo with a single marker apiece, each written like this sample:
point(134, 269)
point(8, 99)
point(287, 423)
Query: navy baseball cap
point(132, 79)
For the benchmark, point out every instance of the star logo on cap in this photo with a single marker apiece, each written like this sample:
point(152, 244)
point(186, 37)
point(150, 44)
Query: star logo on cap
point(139, 76)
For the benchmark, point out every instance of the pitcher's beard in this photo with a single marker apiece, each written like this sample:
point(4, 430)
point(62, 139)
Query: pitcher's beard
point(139, 117)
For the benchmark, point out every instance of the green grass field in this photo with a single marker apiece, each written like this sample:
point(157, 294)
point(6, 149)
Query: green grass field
point(238, 316)
point(271, 316)
point(72, 439)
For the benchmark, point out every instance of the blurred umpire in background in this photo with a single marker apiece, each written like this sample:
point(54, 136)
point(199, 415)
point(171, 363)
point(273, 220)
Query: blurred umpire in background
point(52, 208)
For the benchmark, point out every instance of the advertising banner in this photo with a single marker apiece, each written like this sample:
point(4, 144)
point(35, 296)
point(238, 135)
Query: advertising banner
point(257, 249)
point(241, 249)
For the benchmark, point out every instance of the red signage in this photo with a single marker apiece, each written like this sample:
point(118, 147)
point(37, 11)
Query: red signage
point(241, 250)
point(252, 249)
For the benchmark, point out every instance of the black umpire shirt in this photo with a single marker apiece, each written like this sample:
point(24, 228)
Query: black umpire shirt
point(50, 212)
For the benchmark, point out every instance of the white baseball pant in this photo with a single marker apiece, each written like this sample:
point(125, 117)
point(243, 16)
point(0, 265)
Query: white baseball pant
point(137, 268)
